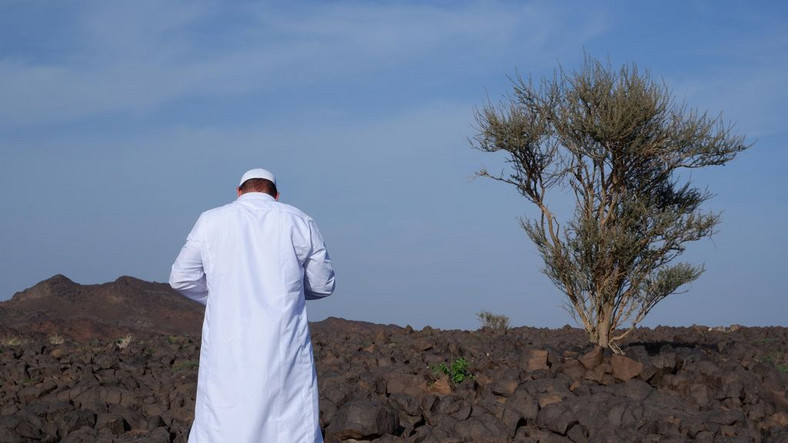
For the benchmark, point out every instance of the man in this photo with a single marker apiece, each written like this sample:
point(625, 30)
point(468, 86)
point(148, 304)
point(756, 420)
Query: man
point(253, 263)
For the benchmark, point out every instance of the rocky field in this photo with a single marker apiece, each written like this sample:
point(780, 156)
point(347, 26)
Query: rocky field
point(386, 384)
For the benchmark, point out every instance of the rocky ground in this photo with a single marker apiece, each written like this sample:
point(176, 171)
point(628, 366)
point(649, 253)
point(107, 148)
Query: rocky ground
point(386, 384)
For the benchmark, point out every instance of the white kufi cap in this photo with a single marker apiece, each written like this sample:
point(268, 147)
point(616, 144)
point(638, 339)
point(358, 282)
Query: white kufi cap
point(258, 173)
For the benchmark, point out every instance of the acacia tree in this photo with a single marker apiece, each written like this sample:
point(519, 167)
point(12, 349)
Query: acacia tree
point(616, 141)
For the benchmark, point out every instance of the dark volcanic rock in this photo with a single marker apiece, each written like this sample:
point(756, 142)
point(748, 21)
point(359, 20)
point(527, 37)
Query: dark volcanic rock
point(362, 420)
point(385, 383)
point(59, 307)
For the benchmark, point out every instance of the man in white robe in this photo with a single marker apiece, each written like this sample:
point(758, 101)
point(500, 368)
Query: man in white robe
point(253, 263)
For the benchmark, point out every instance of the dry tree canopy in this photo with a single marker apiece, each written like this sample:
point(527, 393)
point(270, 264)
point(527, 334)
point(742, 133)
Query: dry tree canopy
point(616, 140)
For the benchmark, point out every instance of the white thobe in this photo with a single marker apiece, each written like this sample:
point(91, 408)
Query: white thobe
point(252, 263)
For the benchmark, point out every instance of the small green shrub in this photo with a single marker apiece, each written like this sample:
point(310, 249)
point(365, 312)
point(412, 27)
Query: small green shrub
point(56, 339)
point(124, 342)
point(493, 321)
point(181, 365)
point(175, 339)
point(778, 359)
point(457, 372)
point(12, 341)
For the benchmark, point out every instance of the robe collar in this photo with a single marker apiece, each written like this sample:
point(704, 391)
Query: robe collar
point(256, 196)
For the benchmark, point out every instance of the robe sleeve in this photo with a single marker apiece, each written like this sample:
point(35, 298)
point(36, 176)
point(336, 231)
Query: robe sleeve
point(187, 275)
point(318, 270)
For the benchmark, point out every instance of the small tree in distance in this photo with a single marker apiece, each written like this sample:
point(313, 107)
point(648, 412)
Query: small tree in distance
point(495, 322)
point(615, 140)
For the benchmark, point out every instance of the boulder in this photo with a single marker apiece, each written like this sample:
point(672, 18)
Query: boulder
point(362, 420)
point(556, 417)
point(592, 358)
point(625, 368)
point(534, 359)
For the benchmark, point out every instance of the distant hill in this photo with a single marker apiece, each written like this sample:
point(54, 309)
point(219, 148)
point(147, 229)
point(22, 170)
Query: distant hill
point(110, 310)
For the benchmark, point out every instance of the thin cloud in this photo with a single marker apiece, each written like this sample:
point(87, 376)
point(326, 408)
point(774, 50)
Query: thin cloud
point(748, 87)
point(142, 56)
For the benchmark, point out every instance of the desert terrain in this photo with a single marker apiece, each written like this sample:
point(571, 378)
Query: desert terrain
point(118, 362)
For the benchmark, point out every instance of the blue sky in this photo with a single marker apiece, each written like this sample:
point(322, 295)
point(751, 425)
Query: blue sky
point(121, 122)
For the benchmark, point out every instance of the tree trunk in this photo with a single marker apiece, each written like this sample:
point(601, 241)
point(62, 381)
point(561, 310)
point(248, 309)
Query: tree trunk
point(603, 334)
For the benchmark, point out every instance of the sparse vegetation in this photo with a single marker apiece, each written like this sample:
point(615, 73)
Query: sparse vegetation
point(124, 342)
point(493, 321)
point(458, 371)
point(616, 144)
point(777, 358)
point(56, 339)
point(12, 341)
point(181, 365)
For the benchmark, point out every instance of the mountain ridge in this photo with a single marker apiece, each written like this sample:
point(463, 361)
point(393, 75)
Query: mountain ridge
point(128, 305)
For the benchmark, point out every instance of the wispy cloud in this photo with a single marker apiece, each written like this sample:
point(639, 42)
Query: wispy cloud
point(135, 57)
point(741, 75)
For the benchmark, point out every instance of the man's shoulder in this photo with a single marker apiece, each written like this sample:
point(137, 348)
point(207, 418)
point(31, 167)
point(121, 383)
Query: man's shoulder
point(292, 211)
point(217, 211)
